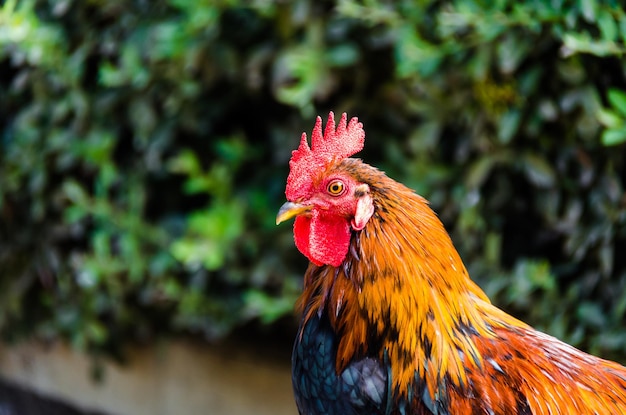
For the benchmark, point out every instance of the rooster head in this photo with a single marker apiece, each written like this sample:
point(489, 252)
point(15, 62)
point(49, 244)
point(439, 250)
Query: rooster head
point(328, 202)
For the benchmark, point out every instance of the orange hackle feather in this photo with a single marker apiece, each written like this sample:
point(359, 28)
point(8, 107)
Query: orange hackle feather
point(403, 294)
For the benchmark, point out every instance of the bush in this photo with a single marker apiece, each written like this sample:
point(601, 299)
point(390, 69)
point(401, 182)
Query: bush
point(144, 151)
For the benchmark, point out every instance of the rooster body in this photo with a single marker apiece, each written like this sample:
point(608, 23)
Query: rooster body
point(392, 323)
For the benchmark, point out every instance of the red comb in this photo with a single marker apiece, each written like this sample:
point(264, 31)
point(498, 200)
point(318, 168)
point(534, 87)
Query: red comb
point(339, 143)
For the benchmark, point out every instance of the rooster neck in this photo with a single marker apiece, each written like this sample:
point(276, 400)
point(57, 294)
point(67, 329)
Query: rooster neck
point(404, 291)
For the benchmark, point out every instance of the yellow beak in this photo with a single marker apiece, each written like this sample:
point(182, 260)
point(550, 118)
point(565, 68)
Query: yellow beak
point(289, 210)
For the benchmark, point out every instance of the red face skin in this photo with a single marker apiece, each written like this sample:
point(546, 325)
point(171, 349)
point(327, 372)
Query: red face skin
point(338, 204)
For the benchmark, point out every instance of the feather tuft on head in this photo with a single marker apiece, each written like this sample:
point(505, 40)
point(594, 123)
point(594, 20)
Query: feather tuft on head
point(335, 144)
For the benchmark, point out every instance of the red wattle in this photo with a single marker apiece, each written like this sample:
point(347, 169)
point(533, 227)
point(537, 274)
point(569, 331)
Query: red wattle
point(324, 239)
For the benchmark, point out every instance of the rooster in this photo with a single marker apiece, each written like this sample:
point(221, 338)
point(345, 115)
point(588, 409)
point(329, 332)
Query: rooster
point(391, 321)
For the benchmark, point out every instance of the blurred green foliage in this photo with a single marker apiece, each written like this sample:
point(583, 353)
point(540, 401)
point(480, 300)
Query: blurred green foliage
point(144, 148)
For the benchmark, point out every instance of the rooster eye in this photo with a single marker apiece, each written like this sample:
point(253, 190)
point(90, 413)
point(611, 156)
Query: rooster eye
point(335, 188)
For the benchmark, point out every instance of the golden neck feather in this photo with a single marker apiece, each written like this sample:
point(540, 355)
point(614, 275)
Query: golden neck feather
point(403, 291)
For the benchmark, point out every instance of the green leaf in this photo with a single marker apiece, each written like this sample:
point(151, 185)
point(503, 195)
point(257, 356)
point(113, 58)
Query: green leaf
point(622, 26)
point(96, 332)
point(613, 137)
point(538, 170)
point(267, 308)
point(493, 248)
point(425, 137)
point(300, 76)
point(608, 25)
point(609, 118)
point(186, 162)
point(592, 314)
point(583, 43)
point(508, 126)
point(589, 9)
point(415, 55)
point(73, 214)
point(343, 55)
point(75, 192)
point(479, 172)
point(617, 98)
point(110, 76)
point(511, 51)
